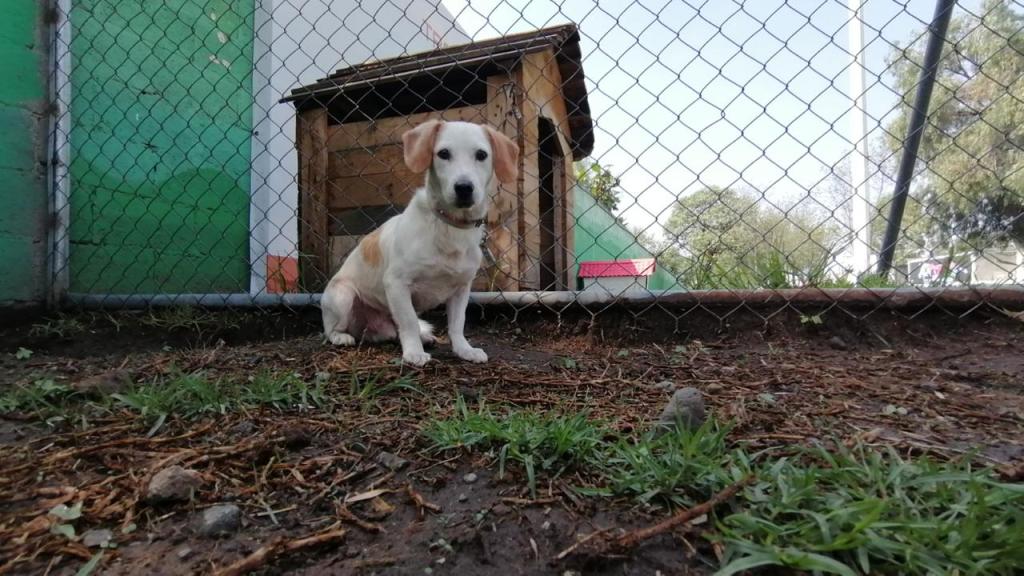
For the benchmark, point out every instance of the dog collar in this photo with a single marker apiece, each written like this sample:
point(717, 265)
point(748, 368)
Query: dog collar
point(457, 223)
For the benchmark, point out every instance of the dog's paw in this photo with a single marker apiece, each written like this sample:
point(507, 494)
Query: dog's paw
point(415, 358)
point(475, 355)
point(341, 339)
point(428, 339)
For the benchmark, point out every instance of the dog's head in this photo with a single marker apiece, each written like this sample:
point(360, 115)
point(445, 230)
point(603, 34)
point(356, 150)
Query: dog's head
point(460, 159)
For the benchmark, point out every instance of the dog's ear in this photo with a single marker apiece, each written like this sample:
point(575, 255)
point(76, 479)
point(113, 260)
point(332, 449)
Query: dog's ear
point(418, 145)
point(506, 156)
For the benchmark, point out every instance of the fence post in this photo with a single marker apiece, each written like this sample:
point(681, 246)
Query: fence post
point(936, 37)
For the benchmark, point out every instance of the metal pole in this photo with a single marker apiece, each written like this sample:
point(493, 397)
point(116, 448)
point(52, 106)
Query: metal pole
point(936, 38)
point(858, 135)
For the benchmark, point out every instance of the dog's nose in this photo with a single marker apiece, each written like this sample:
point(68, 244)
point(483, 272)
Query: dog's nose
point(463, 194)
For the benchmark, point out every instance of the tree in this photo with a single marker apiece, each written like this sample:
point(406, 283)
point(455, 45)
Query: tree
point(973, 143)
point(726, 238)
point(600, 182)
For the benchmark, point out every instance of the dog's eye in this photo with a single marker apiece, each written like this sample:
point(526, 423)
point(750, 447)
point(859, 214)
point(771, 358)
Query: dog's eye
point(481, 155)
point(444, 154)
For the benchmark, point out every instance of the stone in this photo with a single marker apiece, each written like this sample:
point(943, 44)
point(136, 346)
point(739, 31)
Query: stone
point(391, 461)
point(183, 552)
point(666, 385)
point(686, 407)
point(714, 388)
point(112, 382)
point(219, 520)
point(838, 343)
point(97, 538)
point(469, 478)
point(463, 497)
point(173, 484)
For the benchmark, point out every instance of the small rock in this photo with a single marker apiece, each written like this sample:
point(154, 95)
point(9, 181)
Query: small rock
point(463, 497)
point(500, 509)
point(112, 382)
point(97, 538)
point(173, 483)
point(468, 393)
point(183, 552)
point(469, 478)
point(838, 343)
point(243, 428)
point(391, 461)
point(666, 385)
point(686, 406)
point(297, 438)
point(714, 388)
point(219, 520)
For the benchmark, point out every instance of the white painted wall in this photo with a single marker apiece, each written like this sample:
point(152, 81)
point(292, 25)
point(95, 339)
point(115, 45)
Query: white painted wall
point(615, 286)
point(297, 42)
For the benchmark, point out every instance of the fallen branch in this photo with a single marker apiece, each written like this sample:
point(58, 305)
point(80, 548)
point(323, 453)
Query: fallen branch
point(629, 540)
point(277, 548)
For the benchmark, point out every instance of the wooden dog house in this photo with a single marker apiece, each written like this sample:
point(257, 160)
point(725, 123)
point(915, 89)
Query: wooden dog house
point(351, 173)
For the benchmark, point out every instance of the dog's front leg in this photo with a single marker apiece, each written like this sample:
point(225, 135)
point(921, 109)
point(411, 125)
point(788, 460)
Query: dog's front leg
point(404, 314)
point(456, 308)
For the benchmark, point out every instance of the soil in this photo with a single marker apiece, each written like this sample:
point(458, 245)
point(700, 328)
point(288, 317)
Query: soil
point(928, 382)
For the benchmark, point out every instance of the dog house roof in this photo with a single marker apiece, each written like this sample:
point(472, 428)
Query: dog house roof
point(625, 268)
point(480, 58)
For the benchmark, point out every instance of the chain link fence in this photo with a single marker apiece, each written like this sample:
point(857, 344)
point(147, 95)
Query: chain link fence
point(673, 151)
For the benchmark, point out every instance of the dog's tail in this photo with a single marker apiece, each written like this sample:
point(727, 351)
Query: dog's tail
point(426, 331)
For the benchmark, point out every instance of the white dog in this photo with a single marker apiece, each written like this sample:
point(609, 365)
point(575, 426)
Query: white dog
point(428, 254)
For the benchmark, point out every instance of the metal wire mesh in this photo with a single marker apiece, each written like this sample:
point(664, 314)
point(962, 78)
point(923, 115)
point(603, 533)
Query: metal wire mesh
point(673, 151)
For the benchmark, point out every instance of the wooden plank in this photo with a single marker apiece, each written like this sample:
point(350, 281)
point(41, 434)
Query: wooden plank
point(569, 232)
point(383, 159)
point(530, 259)
point(360, 221)
point(389, 130)
point(372, 190)
point(543, 85)
point(542, 82)
point(505, 115)
point(341, 247)
point(311, 136)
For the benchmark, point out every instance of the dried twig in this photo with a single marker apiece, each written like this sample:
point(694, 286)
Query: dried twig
point(346, 515)
point(420, 501)
point(277, 548)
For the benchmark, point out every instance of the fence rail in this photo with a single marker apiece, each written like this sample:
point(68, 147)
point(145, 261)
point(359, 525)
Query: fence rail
point(674, 153)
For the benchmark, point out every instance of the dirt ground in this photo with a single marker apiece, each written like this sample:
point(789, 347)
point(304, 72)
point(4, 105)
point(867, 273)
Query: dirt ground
point(928, 382)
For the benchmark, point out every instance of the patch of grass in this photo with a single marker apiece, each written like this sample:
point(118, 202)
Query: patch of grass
point(60, 326)
point(550, 443)
point(678, 468)
point(854, 511)
point(369, 387)
point(195, 394)
point(864, 511)
point(42, 397)
point(191, 318)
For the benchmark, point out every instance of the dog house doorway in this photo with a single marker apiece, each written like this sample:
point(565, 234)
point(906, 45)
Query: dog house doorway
point(550, 171)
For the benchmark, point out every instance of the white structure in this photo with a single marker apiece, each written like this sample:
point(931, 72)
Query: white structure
point(616, 277)
point(296, 42)
point(995, 265)
point(858, 136)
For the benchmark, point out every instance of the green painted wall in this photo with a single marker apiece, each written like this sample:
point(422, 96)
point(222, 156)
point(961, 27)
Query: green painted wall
point(160, 145)
point(599, 236)
point(23, 199)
